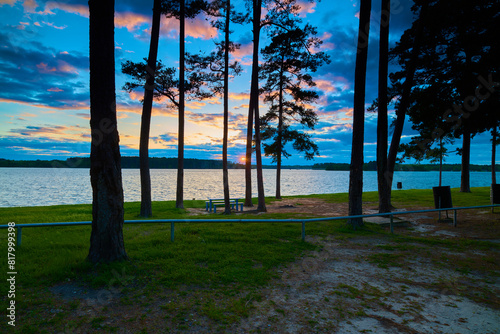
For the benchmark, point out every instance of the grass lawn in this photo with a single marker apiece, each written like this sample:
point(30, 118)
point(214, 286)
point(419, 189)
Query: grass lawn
point(218, 268)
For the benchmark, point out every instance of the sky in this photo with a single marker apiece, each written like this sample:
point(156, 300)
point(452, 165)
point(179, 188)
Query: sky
point(44, 82)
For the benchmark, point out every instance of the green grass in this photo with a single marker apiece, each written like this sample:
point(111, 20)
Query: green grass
point(418, 197)
point(219, 259)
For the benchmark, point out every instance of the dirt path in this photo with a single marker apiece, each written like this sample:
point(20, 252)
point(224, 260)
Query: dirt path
point(363, 284)
point(346, 289)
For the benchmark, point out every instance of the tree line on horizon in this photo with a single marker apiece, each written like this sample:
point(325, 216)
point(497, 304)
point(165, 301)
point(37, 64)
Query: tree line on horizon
point(191, 163)
point(447, 51)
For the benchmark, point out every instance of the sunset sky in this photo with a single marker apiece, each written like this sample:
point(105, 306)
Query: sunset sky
point(44, 82)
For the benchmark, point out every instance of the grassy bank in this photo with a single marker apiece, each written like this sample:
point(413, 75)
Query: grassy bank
point(215, 269)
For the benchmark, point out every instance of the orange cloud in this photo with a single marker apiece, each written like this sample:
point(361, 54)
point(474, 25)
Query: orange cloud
point(245, 50)
point(239, 96)
point(195, 105)
point(65, 67)
point(197, 28)
point(7, 2)
point(131, 21)
point(306, 8)
point(325, 86)
point(54, 90)
point(50, 24)
point(44, 68)
point(81, 10)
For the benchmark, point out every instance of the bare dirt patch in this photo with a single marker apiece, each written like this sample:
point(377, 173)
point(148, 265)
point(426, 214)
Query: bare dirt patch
point(345, 289)
point(363, 284)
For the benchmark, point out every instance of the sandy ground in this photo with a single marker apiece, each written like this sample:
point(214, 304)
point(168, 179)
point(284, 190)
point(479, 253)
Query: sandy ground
point(338, 291)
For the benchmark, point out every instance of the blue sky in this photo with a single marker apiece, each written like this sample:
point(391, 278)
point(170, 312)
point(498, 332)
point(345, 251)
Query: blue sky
point(44, 90)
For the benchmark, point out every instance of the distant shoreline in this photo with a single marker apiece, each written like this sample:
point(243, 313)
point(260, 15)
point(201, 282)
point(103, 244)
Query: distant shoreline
point(171, 163)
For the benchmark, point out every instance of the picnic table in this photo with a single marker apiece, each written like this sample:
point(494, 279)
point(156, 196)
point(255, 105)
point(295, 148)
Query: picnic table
point(212, 204)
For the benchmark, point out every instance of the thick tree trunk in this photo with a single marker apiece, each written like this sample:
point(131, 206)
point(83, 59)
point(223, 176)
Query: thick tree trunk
point(382, 123)
point(248, 156)
point(280, 135)
point(106, 239)
point(493, 155)
point(356, 168)
point(465, 170)
point(441, 161)
point(254, 99)
point(146, 209)
point(225, 174)
point(179, 198)
point(261, 201)
point(405, 100)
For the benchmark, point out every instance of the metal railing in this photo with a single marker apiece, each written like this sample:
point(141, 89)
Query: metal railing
point(303, 221)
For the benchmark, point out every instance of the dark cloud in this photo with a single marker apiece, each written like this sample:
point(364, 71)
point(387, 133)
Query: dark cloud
point(36, 74)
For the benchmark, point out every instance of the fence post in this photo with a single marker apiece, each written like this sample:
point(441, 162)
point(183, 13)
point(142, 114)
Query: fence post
point(303, 231)
point(392, 221)
point(172, 228)
point(455, 218)
point(19, 236)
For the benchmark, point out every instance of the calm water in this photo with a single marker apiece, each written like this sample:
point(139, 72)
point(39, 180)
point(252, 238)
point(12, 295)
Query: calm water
point(52, 186)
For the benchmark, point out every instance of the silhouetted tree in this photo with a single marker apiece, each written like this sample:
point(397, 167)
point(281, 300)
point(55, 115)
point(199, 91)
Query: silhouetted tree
point(146, 209)
point(166, 82)
point(179, 10)
point(382, 122)
point(288, 62)
point(403, 92)
point(215, 69)
point(278, 13)
point(358, 125)
point(494, 144)
point(458, 51)
point(106, 239)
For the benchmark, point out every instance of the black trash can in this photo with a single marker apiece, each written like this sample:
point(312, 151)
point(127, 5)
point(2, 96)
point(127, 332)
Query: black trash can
point(442, 197)
point(400, 185)
point(495, 193)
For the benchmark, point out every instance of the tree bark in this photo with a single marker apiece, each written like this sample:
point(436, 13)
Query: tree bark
point(254, 98)
point(106, 239)
point(465, 170)
point(493, 155)
point(382, 123)
point(440, 161)
point(179, 198)
point(405, 100)
point(280, 134)
point(146, 208)
point(356, 168)
point(254, 94)
point(225, 174)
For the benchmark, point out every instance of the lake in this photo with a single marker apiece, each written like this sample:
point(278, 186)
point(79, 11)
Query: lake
point(53, 186)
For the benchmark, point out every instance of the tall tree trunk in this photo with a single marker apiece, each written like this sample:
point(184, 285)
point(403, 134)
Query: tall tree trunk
point(405, 100)
point(146, 209)
point(280, 134)
point(225, 173)
point(382, 123)
point(261, 201)
point(465, 170)
point(106, 239)
point(179, 198)
point(254, 98)
point(493, 155)
point(440, 161)
point(356, 168)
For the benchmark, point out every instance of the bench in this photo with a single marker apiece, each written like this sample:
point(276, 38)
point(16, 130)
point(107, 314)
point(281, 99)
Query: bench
point(233, 204)
point(212, 204)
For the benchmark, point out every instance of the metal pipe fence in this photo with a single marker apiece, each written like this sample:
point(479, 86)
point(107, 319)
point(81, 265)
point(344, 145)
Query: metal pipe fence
point(218, 221)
